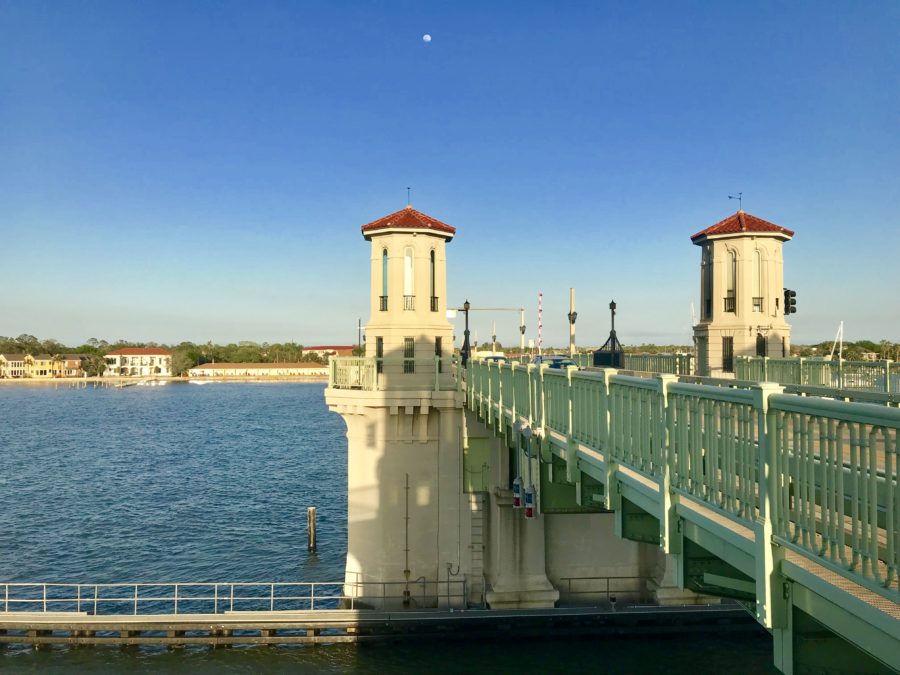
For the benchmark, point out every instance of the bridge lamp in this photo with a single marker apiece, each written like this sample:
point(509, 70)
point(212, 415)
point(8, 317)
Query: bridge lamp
point(465, 347)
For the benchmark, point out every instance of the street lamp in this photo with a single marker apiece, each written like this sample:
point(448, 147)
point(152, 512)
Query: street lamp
point(465, 347)
point(572, 316)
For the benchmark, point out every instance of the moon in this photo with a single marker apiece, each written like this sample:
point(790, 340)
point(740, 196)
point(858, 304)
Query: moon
point(426, 38)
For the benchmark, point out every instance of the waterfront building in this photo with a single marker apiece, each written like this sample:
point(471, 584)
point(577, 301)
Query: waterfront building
point(139, 362)
point(741, 293)
point(327, 351)
point(273, 370)
point(71, 365)
point(12, 365)
point(41, 366)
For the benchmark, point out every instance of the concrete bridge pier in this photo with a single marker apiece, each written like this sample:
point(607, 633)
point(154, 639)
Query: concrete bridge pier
point(521, 581)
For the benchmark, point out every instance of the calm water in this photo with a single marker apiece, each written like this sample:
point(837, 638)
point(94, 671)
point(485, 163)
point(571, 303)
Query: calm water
point(211, 483)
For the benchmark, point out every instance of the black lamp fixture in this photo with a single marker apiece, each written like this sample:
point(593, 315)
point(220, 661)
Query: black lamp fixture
point(465, 348)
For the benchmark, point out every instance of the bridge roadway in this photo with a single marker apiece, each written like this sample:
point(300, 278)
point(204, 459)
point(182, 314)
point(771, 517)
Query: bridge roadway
point(788, 502)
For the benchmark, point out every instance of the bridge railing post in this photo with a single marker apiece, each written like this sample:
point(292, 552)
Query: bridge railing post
point(572, 472)
point(670, 536)
point(529, 371)
point(771, 606)
point(613, 500)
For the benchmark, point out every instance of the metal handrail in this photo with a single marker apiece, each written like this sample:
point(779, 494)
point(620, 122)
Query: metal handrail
point(607, 591)
point(219, 597)
point(381, 374)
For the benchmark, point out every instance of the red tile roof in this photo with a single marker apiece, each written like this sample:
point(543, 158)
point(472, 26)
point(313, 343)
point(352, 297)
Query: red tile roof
point(140, 351)
point(742, 222)
point(408, 218)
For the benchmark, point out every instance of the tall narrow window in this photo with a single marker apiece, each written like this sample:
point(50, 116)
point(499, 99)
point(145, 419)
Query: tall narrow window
point(728, 354)
point(762, 348)
point(707, 273)
point(384, 280)
point(438, 352)
point(379, 354)
point(757, 282)
point(730, 304)
point(409, 294)
point(409, 355)
point(433, 296)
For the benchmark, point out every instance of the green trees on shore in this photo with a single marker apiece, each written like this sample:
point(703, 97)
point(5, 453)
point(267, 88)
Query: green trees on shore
point(185, 355)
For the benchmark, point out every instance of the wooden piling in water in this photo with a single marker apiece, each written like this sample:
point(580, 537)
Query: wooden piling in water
point(311, 528)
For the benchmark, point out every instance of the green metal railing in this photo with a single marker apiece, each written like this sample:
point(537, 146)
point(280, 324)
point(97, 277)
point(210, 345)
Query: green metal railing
point(374, 374)
point(823, 473)
point(675, 364)
point(883, 376)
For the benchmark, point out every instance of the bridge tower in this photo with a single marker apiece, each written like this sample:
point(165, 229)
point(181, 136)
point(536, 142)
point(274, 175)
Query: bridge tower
point(404, 425)
point(741, 293)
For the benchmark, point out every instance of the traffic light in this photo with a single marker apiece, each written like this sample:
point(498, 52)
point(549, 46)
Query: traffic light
point(790, 301)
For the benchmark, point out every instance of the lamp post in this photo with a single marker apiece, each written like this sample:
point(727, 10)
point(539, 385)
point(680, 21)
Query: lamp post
point(522, 332)
point(465, 347)
point(572, 316)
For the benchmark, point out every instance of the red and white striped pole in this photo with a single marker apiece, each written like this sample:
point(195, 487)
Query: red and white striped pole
point(540, 322)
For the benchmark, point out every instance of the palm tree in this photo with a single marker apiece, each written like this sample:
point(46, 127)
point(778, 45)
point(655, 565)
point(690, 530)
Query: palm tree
point(57, 360)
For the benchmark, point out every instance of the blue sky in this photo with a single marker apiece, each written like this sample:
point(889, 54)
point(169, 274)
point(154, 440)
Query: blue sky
point(200, 171)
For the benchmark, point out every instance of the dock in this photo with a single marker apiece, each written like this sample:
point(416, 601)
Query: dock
point(328, 626)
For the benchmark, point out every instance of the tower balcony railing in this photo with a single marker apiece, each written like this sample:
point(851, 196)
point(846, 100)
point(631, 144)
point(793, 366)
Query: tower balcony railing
point(409, 303)
point(382, 303)
point(398, 373)
point(757, 304)
point(730, 304)
point(434, 303)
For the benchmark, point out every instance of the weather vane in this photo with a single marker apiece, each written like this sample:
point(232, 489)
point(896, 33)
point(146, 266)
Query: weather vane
point(740, 198)
point(408, 190)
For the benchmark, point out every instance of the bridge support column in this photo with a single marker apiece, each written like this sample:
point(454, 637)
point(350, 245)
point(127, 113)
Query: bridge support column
point(521, 581)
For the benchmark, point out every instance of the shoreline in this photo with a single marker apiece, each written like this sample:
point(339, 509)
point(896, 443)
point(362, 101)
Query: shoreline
point(116, 381)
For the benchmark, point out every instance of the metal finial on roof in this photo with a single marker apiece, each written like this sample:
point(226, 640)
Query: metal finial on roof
point(408, 198)
point(740, 198)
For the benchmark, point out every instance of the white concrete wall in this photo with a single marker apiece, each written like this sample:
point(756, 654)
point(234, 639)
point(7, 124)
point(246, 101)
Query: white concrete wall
point(585, 545)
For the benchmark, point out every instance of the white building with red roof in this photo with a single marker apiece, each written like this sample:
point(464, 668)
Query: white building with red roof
point(330, 350)
point(741, 292)
point(139, 362)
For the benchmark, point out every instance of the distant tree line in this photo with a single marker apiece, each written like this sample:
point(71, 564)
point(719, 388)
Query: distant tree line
point(185, 355)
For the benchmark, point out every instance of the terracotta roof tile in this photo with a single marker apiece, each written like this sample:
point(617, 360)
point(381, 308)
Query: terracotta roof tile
point(408, 218)
point(742, 222)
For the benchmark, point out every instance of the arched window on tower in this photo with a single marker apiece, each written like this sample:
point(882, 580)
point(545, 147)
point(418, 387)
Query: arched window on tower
point(384, 281)
point(409, 294)
point(757, 282)
point(731, 273)
point(434, 300)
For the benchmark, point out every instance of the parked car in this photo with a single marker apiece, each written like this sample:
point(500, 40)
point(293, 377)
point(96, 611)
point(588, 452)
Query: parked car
point(559, 361)
point(495, 359)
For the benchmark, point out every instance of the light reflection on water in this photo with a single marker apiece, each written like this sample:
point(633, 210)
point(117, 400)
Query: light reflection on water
point(186, 483)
